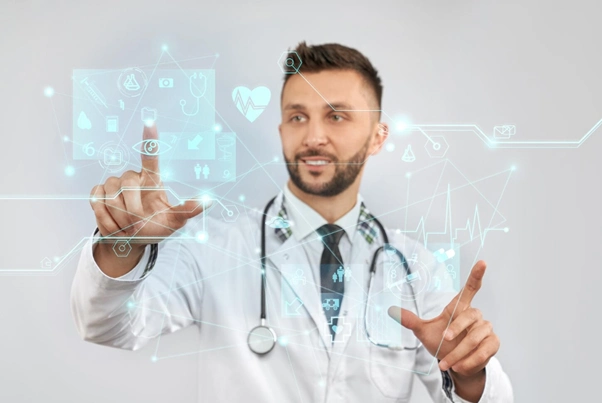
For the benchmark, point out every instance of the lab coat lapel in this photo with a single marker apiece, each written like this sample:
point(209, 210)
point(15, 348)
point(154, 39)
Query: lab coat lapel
point(289, 257)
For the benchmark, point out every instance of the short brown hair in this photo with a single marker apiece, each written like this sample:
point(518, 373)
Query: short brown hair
point(333, 56)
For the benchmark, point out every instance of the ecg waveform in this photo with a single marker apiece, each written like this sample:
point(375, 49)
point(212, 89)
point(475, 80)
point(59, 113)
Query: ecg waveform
point(474, 227)
point(238, 101)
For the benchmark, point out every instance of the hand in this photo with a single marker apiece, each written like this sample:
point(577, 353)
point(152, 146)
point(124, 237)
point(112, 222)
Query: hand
point(469, 342)
point(135, 205)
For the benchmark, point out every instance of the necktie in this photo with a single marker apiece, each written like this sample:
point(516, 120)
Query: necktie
point(332, 273)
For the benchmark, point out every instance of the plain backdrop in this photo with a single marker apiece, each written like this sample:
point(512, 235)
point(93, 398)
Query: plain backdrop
point(532, 63)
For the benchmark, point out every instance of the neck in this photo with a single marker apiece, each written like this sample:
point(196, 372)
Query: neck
point(331, 208)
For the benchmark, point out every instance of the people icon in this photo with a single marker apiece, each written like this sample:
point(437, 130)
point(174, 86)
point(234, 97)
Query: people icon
point(347, 274)
point(206, 171)
point(299, 278)
point(197, 171)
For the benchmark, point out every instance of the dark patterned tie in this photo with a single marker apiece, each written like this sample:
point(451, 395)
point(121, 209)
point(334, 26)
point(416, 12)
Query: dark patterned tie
point(332, 272)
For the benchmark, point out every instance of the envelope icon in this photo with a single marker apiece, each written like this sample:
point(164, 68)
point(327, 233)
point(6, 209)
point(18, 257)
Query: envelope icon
point(504, 131)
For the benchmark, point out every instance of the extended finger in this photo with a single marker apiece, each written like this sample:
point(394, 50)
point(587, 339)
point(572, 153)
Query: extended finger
point(478, 359)
point(106, 224)
point(473, 284)
point(130, 189)
point(462, 322)
point(407, 318)
point(149, 154)
point(116, 205)
point(180, 213)
point(473, 339)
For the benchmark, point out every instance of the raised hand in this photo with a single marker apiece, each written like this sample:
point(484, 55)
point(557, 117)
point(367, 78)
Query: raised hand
point(135, 205)
point(469, 342)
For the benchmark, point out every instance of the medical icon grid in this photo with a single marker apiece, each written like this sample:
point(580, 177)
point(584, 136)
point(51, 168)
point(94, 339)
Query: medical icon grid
point(110, 106)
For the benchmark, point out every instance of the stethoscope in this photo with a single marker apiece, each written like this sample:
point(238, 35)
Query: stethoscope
point(262, 338)
point(196, 92)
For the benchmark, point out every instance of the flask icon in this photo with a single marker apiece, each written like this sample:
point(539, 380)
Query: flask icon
point(408, 154)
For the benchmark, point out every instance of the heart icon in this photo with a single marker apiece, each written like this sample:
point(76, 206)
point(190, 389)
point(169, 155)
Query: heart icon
point(337, 329)
point(251, 103)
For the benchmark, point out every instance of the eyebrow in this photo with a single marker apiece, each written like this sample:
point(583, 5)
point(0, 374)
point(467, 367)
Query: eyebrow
point(338, 106)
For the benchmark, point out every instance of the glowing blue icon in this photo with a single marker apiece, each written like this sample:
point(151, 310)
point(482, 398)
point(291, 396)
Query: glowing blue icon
point(278, 222)
point(112, 124)
point(94, 93)
point(408, 154)
point(224, 143)
point(226, 174)
point(112, 157)
point(441, 255)
point(198, 86)
point(289, 62)
point(166, 83)
point(410, 278)
point(331, 303)
point(251, 103)
point(292, 308)
point(132, 82)
point(148, 115)
point(46, 263)
point(504, 131)
point(451, 271)
point(299, 278)
point(121, 105)
point(194, 143)
point(88, 149)
point(197, 171)
point(151, 147)
point(83, 122)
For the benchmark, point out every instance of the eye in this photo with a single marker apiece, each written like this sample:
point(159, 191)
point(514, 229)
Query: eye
point(297, 118)
point(151, 147)
point(337, 118)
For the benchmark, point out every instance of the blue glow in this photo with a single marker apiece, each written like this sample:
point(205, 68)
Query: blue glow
point(276, 159)
point(69, 170)
point(217, 128)
point(164, 48)
point(513, 168)
point(390, 147)
point(154, 358)
point(408, 174)
point(401, 126)
point(49, 92)
point(65, 138)
point(283, 341)
point(202, 236)
point(130, 305)
point(506, 229)
point(242, 198)
point(149, 122)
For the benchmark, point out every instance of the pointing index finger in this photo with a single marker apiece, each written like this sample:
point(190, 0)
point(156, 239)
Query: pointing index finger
point(473, 284)
point(148, 152)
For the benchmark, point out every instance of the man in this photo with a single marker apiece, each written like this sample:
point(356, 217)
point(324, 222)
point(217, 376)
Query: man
point(325, 352)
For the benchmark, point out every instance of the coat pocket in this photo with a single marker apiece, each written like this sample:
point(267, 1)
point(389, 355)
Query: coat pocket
point(392, 372)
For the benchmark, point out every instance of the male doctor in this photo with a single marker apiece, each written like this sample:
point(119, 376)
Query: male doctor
point(317, 260)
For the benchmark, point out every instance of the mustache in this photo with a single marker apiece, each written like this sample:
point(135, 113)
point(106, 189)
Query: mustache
point(315, 153)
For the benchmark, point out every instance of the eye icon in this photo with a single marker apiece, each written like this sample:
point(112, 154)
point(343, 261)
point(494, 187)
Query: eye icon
point(151, 147)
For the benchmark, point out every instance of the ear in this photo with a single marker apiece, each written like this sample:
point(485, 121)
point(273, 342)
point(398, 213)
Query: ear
point(382, 132)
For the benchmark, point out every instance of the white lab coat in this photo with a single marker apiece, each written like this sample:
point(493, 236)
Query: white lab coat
point(216, 286)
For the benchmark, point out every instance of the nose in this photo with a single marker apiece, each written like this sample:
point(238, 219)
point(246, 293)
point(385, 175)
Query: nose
point(315, 135)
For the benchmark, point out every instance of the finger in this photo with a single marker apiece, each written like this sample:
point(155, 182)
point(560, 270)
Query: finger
point(190, 208)
point(473, 339)
point(407, 318)
point(478, 359)
point(116, 205)
point(462, 322)
point(130, 189)
point(106, 224)
point(150, 158)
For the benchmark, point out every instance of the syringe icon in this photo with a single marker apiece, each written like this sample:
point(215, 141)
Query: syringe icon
point(94, 93)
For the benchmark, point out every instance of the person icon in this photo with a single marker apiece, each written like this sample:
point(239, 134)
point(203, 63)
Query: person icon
point(340, 273)
point(197, 171)
point(347, 274)
point(334, 277)
point(299, 278)
point(206, 171)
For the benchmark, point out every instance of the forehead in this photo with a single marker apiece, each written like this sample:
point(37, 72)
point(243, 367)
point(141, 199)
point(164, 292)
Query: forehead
point(314, 90)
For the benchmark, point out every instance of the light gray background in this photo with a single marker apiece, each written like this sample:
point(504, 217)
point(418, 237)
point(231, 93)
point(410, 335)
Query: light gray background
point(531, 63)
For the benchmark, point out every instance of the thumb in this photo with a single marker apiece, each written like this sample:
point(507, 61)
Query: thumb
point(191, 208)
point(407, 318)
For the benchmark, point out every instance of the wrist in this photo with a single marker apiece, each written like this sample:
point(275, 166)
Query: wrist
point(469, 387)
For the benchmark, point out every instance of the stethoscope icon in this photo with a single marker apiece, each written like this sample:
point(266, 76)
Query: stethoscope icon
point(196, 91)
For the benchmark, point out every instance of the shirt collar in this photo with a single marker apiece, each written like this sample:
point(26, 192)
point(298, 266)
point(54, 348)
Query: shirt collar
point(305, 220)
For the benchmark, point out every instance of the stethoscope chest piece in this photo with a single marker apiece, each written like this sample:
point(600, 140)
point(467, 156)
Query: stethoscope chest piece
point(261, 339)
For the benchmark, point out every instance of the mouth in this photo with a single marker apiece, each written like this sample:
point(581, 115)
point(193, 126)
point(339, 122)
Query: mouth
point(315, 163)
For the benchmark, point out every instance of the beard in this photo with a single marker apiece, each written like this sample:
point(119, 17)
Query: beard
point(346, 172)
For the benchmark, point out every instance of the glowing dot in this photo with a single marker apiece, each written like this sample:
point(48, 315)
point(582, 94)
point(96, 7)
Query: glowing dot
point(506, 229)
point(49, 92)
point(149, 122)
point(166, 174)
point(242, 198)
point(322, 382)
point(217, 55)
point(257, 251)
point(93, 199)
point(401, 126)
point(283, 341)
point(130, 304)
point(217, 127)
point(513, 168)
point(390, 147)
point(154, 358)
point(65, 138)
point(276, 159)
point(377, 308)
point(205, 198)
point(202, 236)
point(408, 174)
point(69, 170)
point(164, 48)
point(56, 259)
point(398, 231)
